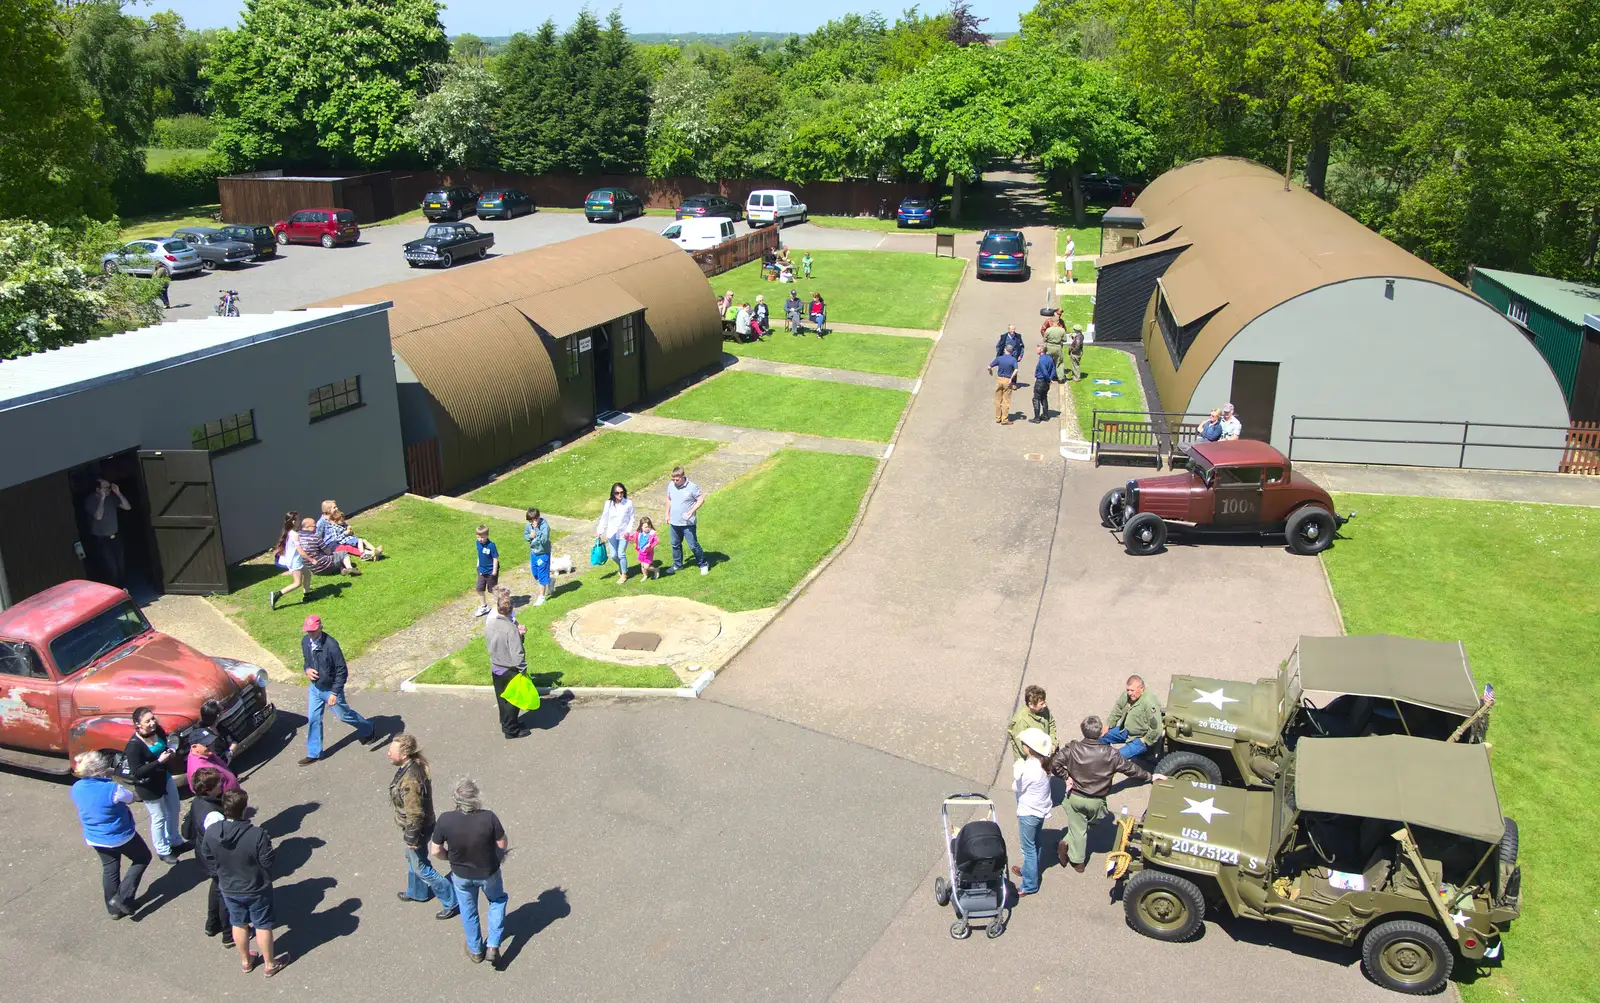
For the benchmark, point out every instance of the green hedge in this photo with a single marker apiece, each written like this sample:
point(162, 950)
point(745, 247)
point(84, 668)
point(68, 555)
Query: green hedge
point(173, 186)
point(183, 132)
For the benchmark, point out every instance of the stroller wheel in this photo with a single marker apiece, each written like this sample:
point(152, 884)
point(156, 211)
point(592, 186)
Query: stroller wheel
point(995, 929)
point(960, 930)
point(941, 892)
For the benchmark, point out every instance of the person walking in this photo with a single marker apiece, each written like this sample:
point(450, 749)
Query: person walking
point(1055, 343)
point(147, 755)
point(507, 659)
point(1010, 343)
point(645, 540)
point(1089, 768)
point(1075, 352)
point(1044, 373)
point(109, 830)
point(805, 264)
point(205, 809)
point(1004, 369)
point(684, 499)
point(411, 796)
point(473, 840)
point(537, 533)
point(616, 518)
point(326, 668)
point(1031, 784)
point(241, 856)
point(1068, 254)
point(488, 568)
point(102, 507)
point(286, 555)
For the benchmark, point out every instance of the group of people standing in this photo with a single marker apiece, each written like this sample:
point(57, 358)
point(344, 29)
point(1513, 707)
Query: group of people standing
point(325, 545)
point(752, 322)
point(1048, 368)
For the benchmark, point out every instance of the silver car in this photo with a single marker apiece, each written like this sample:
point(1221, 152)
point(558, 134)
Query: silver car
point(215, 247)
point(158, 256)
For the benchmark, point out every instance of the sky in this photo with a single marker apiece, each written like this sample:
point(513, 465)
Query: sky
point(502, 17)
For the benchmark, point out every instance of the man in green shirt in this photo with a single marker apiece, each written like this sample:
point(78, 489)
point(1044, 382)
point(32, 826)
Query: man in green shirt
point(1034, 714)
point(1055, 342)
point(1134, 721)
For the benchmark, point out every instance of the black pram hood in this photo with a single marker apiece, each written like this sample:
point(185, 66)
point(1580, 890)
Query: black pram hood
point(980, 849)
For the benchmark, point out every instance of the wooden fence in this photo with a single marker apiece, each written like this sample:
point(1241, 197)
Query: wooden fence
point(424, 468)
point(733, 253)
point(1582, 455)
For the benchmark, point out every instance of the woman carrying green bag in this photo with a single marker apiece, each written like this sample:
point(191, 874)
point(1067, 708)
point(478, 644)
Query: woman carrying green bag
point(508, 661)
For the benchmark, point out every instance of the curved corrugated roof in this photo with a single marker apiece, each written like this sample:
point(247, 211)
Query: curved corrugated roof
point(472, 335)
point(1253, 246)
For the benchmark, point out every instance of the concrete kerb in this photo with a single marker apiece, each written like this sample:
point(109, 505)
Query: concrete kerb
point(576, 693)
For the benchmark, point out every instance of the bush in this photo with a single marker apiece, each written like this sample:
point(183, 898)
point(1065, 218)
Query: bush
point(172, 186)
point(184, 132)
point(52, 292)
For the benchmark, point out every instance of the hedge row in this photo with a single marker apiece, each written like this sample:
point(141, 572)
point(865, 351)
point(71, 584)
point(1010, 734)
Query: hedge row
point(183, 132)
point(179, 184)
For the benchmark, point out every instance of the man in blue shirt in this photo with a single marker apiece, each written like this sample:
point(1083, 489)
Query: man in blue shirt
point(1004, 367)
point(1044, 371)
point(1010, 344)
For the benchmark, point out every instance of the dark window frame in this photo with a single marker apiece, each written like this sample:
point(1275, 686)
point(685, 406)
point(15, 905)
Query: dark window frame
point(574, 357)
point(1179, 338)
point(627, 336)
point(334, 398)
point(226, 434)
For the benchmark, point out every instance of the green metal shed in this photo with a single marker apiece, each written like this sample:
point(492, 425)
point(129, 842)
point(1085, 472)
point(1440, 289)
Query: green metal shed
point(1551, 313)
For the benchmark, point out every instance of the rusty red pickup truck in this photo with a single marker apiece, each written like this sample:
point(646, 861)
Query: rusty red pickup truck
point(76, 659)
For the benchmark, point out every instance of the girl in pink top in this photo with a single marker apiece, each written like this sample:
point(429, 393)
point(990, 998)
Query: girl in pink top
point(644, 540)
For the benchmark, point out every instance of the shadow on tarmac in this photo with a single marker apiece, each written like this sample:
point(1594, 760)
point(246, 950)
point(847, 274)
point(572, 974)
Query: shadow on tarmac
point(527, 920)
point(308, 929)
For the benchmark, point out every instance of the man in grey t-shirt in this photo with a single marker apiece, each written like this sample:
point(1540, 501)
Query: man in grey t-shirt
point(102, 507)
point(684, 499)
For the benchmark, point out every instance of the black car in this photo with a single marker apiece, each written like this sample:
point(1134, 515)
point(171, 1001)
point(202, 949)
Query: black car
point(215, 247)
point(449, 203)
point(615, 204)
point(446, 243)
point(701, 206)
point(506, 203)
point(256, 235)
point(1101, 187)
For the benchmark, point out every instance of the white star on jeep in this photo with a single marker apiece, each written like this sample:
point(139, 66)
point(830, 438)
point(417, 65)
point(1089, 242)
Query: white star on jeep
point(1213, 697)
point(1459, 918)
point(1206, 809)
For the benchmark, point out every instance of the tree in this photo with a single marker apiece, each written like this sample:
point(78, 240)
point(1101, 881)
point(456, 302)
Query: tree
point(104, 48)
point(681, 138)
point(528, 119)
point(51, 292)
point(453, 124)
point(619, 103)
point(326, 82)
point(965, 26)
point(468, 48)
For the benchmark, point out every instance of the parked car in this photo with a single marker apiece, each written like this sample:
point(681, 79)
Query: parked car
point(915, 212)
point(774, 205)
point(701, 206)
point(446, 243)
point(256, 235)
point(506, 203)
point(1101, 187)
point(449, 203)
point(1233, 486)
point(318, 226)
point(76, 659)
point(699, 234)
point(215, 247)
point(615, 204)
point(1003, 252)
point(157, 256)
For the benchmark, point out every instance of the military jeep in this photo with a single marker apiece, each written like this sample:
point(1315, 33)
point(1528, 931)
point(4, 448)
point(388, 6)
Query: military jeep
point(1375, 684)
point(1390, 842)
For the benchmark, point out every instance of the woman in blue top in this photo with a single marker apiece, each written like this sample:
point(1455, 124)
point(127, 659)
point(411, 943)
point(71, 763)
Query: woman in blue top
point(108, 828)
point(537, 533)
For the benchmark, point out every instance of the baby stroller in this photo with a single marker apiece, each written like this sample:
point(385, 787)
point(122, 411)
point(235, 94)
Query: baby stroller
point(976, 854)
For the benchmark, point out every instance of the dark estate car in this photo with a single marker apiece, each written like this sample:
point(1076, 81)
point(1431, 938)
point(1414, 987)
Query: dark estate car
point(256, 235)
point(1003, 252)
point(324, 226)
point(615, 204)
point(446, 243)
point(701, 206)
point(915, 212)
point(215, 247)
point(506, 203)
point(449, 203)
point(1237, 486)
point(1101, 187)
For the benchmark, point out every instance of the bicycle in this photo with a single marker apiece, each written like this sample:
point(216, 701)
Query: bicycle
point(228, 303)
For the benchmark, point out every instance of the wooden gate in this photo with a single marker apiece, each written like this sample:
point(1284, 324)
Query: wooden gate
point(424, 468)
point(183, 520)
point(1582, 455)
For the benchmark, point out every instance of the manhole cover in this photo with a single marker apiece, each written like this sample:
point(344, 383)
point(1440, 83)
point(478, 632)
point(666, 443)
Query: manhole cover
point(637, 640)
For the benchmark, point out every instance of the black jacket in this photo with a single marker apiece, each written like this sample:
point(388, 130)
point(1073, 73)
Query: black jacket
point(193, 828)
point(240, 855)
point(148, 774)
point(329, 662)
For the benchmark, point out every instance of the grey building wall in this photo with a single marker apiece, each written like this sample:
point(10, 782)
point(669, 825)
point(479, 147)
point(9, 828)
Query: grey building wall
point(354, 457)
point(1430, 353)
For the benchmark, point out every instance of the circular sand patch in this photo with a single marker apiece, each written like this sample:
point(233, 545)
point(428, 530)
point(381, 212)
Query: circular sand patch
point(689, 630)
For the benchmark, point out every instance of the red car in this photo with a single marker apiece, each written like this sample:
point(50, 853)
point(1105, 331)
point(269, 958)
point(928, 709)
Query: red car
point(318, 226)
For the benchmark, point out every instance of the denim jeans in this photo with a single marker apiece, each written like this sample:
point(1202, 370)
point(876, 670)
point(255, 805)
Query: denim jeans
point(164, 819)
point(423, 882)
point(1028, 829)
point(316, 703)
point(679, 534)
point(618, 546)
point(1131, 747)
point(467, 899)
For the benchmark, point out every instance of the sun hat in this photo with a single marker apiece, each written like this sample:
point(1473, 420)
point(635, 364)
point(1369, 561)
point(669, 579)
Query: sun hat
point(313, 622)
point(1037, 740)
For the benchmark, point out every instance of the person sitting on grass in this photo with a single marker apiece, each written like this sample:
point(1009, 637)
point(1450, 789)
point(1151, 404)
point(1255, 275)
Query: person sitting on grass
point(644, 540)
point(769, 266)
point(318, 560)
point(339, 538)
point(729, 311)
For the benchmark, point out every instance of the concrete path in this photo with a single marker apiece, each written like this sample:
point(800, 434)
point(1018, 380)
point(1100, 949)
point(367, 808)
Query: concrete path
point(747, 364)
point(900, 332)
point(202, 626)
point(751, 439)
point(1474, 485)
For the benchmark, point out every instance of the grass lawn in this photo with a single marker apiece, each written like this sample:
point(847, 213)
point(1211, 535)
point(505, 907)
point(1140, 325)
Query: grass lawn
point(428, 563)
point(1086, 239)
point(1083, 270)
point(576, 481)
point(881, 288)
point(156, 158)
point(1075, 309)
point(413, 216)
point(1105, 364)
point(763, 533)
point(163, 223)
point(889, 354)
point(786, 404)
point(875, 225)
point(1515, 583)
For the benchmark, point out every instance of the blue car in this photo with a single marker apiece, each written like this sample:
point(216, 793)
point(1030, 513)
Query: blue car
point(1003, 252)
point(915, 212)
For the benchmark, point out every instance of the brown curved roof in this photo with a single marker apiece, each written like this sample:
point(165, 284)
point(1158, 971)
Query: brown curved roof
point(1253, 246)
point(481, 338)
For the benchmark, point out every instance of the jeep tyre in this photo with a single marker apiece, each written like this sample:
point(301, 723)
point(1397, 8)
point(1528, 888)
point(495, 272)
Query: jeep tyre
point(1508, 845)
point(1407, 957)
point(1163, 906)
point(1113, 510)
point(1144, 534)
point(1190, 766)
point(1310, 530)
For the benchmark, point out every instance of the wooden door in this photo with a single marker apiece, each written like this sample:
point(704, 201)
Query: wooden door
point(39, 543)
point(183, 520)
point(1255, 393)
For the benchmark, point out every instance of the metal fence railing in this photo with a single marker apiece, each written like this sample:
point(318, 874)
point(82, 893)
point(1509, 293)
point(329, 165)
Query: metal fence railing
point(1444, 443)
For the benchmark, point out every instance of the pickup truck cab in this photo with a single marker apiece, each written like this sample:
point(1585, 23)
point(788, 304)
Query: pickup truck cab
point(76, 659)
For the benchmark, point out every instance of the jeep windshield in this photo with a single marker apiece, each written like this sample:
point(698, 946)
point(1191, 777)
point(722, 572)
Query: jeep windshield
point(97, 636)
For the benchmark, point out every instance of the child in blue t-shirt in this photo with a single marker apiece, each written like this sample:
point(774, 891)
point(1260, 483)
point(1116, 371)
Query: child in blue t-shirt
point(488, 569)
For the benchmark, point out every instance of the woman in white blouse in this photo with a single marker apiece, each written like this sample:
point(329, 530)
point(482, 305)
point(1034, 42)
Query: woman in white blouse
point(616, 518)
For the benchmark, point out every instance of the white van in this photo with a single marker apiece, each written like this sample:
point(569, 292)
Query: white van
point(699, 234)
point(773, 205)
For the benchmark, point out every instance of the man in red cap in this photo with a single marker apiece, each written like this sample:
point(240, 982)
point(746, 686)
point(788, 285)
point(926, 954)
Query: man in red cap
point(326, 669)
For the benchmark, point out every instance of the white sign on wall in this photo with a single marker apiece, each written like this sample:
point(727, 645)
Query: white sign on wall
point(584, 344)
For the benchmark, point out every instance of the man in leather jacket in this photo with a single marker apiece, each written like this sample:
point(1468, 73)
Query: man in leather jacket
point(1089, 768)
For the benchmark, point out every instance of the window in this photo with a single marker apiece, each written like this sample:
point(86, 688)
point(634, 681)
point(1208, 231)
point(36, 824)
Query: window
point(574, 363)
point(225, 433)
point(18, 659)
point(1518, 311)
point(98, 636)
point(1238, 475)
point(627, 336)
point(1274, 475)
point(328, 400)
point(1178, 338)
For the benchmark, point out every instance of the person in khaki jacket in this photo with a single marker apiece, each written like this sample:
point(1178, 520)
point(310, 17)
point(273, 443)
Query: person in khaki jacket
point(1035, 713)
point(1135, 721)
point(411, 795)
point(1055, 342)
point(1089, 767)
